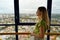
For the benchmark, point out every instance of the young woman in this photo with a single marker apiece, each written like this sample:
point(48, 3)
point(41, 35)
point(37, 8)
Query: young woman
point(42, 25)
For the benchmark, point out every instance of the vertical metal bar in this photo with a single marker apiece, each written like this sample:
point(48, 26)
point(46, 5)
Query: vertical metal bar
point(16, 10)
point(49, 6)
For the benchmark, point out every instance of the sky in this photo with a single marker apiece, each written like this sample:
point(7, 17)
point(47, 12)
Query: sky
point(56, 6)
point(27, 6)
point(6, 6)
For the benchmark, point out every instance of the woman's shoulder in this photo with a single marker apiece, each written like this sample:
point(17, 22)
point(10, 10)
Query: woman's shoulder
point(40, 23)
point(43, 22)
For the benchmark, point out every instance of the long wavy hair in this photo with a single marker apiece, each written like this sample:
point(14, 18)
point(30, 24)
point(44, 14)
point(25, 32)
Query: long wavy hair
point(44, 15)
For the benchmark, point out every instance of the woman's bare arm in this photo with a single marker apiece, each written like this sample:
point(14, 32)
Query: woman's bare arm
point(41, 34)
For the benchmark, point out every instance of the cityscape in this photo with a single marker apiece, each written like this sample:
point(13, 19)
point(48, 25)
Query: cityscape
point(25, 18)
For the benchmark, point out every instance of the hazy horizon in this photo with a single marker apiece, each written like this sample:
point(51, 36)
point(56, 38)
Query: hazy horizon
point(27, 6)
point(27, 13)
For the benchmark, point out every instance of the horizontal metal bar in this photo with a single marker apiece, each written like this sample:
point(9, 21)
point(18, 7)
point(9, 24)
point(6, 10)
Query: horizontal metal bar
point(26, 24)
point(7, 24)
point(26, 33)
point(14, 33)
point(35, 23)
point(52, 33)
point(54, 24)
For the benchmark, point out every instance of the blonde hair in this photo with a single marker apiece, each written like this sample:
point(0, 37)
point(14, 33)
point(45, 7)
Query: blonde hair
point(45, 16)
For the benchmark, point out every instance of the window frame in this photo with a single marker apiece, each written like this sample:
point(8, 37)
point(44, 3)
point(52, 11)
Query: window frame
point(16, 13)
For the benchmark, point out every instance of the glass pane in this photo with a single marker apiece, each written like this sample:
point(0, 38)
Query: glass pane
point(7, 37)
point(55, 17)
point(55, 29)
point(27, 29)
point(7, 29)
point(7, 11)
point(28, 37)
point(28, 9)
point(54, 37)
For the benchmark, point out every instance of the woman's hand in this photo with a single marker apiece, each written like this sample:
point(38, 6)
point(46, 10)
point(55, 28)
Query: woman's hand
point(32, 34)
point(36, 35)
